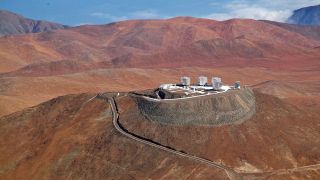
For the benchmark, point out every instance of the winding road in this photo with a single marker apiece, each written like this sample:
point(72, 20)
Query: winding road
point(233, 175)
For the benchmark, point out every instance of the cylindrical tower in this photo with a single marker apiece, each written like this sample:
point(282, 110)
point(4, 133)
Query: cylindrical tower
point(203, 80)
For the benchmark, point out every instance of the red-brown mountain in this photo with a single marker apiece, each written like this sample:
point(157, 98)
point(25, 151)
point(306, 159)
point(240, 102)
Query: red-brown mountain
point(176, 42)
point(311, 32)
point(11, 23)
point(142, 54)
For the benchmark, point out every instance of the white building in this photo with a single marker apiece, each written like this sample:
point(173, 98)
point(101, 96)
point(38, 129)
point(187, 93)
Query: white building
point(203, 80)
point(166, 86)
point(186, 81)
point(216, 83)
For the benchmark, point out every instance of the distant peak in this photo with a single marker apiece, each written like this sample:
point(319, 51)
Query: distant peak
point(306, 16)
point(8, 13)
point(12, 23)
point(309, 7)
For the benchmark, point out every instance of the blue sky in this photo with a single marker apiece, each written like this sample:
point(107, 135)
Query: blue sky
point(77, 12)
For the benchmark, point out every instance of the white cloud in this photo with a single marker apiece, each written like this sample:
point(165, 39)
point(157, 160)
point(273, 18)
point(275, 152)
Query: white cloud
point(83, 23)
point(278, 10)
point(288, 4)
point(109, 16)
point(252, 12)
point(219, 16)
point(145, 14)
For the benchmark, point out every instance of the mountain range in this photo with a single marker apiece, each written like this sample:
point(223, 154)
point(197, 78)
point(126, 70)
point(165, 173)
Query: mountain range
point(306, 16)
point(155, 43)
point(12, 23)
point(54, 123)
point(130, 46)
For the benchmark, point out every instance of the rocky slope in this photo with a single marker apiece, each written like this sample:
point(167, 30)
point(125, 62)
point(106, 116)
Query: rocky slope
point(306, 16)
point(311, 32)
point(11, 23)
point(225, 108)
point(72, 137)
point(276, 143)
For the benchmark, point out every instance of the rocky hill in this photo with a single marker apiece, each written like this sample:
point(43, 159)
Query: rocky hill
point(73, 137)
point(11, 23)
point(276, 143)
point(225, 108)
point(306, 16)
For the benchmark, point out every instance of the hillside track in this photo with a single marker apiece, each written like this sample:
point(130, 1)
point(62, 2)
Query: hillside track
point(233, 175)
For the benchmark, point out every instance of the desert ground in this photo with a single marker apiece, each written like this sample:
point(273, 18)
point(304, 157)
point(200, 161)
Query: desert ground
point(52, 125)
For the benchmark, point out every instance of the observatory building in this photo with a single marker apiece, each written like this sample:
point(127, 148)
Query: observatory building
point(203, 81)
point(186, 81)
point(216, 83)
point(197, 102)
point(188, 89)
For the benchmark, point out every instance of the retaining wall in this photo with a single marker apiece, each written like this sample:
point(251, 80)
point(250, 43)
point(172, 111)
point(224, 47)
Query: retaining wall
point(229, 107)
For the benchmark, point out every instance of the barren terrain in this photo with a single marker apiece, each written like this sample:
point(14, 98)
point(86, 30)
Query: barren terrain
point(72, 136)
point(141, 54)
point(280, 141)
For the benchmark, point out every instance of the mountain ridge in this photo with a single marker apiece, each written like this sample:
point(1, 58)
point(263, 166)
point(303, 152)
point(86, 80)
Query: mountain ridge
point(145, 43)
point(12, 23)
point(306, 16)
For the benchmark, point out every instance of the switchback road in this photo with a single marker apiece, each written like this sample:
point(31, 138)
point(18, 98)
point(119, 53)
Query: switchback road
point(233, 175)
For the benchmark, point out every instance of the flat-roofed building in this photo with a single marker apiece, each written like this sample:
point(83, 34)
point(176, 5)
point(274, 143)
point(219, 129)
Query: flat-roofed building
point(166, 86)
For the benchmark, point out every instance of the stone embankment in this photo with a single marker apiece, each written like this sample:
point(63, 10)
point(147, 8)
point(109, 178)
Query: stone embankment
point(216, 109)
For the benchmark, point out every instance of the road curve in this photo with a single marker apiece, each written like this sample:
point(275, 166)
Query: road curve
point(231, 173)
